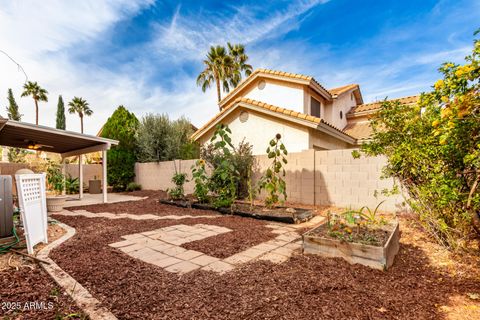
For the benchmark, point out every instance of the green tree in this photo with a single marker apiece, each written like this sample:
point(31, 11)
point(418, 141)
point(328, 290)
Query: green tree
point(37, 93)
point(12, 110)
point(433, 149)
point(81, 107)
point(161, 139)
point(122, 126)
point(237, 52)
point(61, 121)
point(14, 154)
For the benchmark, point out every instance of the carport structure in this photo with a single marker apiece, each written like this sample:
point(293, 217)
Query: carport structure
point(66, 143)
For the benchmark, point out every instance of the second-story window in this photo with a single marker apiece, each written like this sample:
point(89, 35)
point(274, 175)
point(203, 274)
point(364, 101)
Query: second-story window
point(315, 107)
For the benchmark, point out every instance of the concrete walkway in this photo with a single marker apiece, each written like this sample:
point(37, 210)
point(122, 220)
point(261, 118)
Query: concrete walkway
point(89, 199)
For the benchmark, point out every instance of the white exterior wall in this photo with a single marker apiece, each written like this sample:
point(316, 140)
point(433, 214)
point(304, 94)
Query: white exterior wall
point(284, 96)
point(344, 103)
point(258, 130)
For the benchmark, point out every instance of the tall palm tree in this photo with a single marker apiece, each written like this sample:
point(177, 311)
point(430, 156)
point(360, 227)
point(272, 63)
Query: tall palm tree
point(237, 52)
point(80, 106)
point(37, 93)
point(218, 68)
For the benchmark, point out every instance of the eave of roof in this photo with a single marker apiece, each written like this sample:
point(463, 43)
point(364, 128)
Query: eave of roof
point(291, 115)
point(278, 75)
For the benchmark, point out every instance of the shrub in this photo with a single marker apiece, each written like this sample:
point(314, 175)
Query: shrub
point(272, 181)
point(178, 193)
point(121, 126)
point(55, 178)
point(200, 178)
point(223, 181)
point(433, 149)
point(72, 185)
point(161, 139)
point(132, 186)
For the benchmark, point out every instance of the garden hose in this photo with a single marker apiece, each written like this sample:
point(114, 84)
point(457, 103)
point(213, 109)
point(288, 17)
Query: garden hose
point(4, 248)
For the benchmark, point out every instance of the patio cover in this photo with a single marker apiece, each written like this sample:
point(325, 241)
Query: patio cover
point(66, 143)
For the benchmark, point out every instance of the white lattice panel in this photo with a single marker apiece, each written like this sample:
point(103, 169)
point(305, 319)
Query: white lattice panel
point(33, 207)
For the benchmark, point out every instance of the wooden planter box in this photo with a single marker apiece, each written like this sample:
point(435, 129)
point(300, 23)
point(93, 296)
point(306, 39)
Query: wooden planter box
point(372, 256)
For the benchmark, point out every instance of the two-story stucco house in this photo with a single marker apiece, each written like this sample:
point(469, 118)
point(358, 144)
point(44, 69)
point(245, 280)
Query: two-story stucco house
point(307, 115)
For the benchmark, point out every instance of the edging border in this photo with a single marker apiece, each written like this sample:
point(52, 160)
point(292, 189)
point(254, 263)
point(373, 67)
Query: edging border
point(91, 306)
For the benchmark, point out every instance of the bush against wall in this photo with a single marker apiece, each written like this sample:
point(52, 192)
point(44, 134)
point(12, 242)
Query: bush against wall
point(433, 149)
point(121, 126)
point(162, 139)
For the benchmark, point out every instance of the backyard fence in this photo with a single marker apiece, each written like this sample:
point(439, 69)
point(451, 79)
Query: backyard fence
point(332, 178)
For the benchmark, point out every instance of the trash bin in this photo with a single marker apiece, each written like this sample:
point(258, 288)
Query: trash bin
point(6, 206)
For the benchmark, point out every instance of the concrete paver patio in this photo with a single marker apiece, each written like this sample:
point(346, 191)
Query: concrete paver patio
point(162, 247)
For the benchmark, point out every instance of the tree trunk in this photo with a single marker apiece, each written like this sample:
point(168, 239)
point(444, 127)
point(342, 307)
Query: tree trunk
point(81, 124)
point(36, 111)
point(217, 81)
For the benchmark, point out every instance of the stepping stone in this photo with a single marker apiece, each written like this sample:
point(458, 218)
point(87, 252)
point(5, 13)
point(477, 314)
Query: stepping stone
point(288, 237)
point(265, 247)
point(133, 236)
point(120, 244)
point(188, 255)
point(252, 253)
point(154, 257)
point(293, 246)
point(283, 251)
point(182, 267)
point(163, 263)
point(204, 260)
point(134, 247)
point(162, 247)
point(274, 257)
point(218, 266)
point(174, 251)
point(237, 259)
point(143, 253)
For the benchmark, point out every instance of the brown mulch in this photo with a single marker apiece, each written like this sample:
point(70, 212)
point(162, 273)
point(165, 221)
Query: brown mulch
point(145, 206)
point(418, 286)
point(246, 233)
point(32, 285)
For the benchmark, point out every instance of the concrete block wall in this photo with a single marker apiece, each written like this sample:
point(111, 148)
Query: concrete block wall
point(324, 178)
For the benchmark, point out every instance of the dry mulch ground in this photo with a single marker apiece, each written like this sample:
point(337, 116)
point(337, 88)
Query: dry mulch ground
point(23, 282)
point(147, 206)
point(425, 282)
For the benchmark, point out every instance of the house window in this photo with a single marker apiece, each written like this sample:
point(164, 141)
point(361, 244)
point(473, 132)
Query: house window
point(351, 96)
point(261, 85)
point(243, 116)
point(314, 107)
point(341, 114)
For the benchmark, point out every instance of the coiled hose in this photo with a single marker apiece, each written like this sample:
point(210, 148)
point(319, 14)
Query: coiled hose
point(5, 247)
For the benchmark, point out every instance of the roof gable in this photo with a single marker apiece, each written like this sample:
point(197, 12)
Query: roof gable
point(276, 75)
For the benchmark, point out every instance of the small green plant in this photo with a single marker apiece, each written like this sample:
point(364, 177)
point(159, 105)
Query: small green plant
point(371, 216)
point(72, 185)
point(200, 178)
point(273, 180)
point(178, 193)
point(132, 186)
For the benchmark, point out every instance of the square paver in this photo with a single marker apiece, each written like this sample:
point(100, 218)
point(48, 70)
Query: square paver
point(274, 257)
point(182, 267)
point(134, 247)
point(218, 266)
point(188, 255)
point(142, 253)
point(174, 251)
point(204, 260)
point(120, 244)
point(237, 259)
point(162, 246)
point(283, 251)
point(154, 257)
point(163, 263)
point(252, 252)
point(265, 247)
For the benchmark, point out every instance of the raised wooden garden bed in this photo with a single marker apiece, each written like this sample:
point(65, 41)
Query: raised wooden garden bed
point(379, 256)
point(279, 214)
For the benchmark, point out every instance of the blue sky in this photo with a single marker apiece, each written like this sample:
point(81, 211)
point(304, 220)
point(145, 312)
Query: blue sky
point(146, 54)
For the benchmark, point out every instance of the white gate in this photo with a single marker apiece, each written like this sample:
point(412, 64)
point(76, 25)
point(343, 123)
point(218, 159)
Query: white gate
point(33, 207)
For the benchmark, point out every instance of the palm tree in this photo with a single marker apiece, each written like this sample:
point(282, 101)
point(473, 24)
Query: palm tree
point(218, 68)
point(237, 52)
point(80, 106)
point(37, 93)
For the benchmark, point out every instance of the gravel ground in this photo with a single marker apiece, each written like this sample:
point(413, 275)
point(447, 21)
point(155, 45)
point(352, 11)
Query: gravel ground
point(422, 284)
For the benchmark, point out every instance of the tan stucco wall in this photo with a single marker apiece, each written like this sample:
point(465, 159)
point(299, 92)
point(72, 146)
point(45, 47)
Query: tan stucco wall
point(259, 129)
point(278, 93)
point(332, 114)
point(332, 178)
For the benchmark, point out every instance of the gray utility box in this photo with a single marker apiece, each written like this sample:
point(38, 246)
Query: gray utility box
point(6, 206)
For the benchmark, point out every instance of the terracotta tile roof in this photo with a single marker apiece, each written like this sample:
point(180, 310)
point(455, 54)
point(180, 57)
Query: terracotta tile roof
point(268, 72)
point(342, 89)
point(359, 130)
point(376, 105)
point(266, 106)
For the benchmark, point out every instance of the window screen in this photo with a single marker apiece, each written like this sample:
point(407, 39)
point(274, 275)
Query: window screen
point(314, 107)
